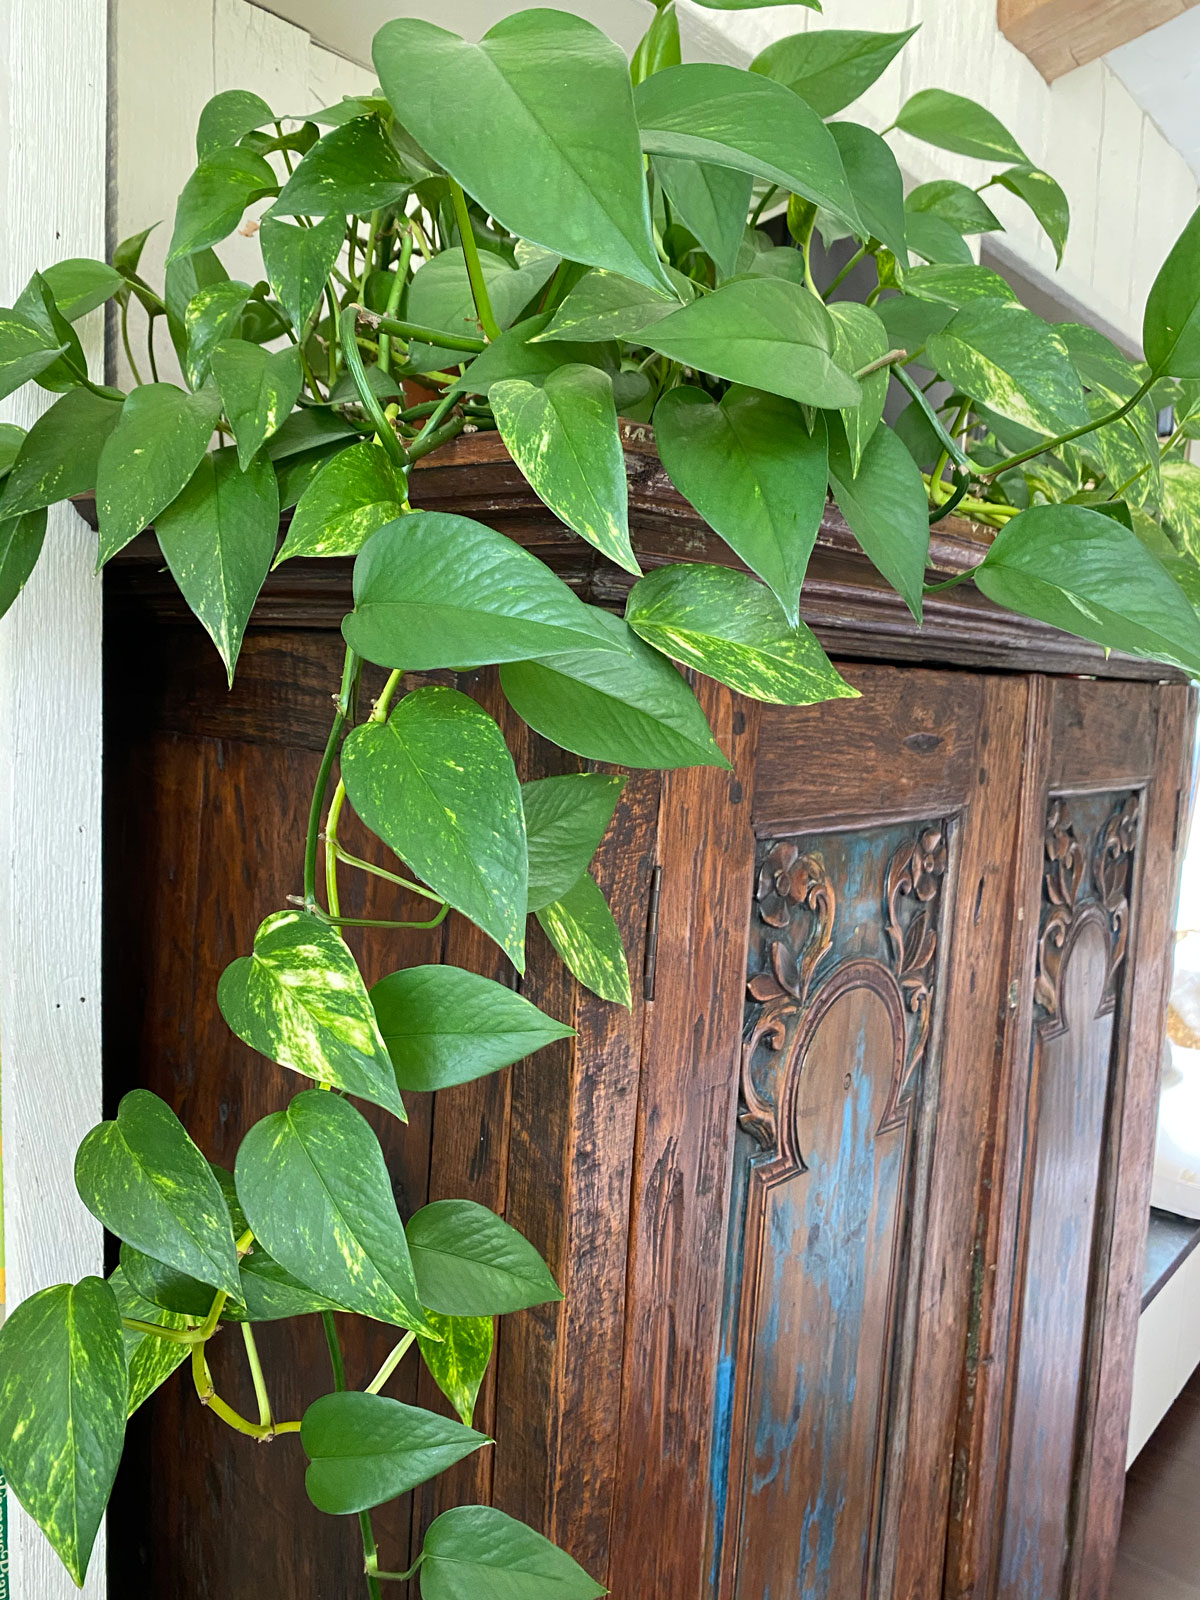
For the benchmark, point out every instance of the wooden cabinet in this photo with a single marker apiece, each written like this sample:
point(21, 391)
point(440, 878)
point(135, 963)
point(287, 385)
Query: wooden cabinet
point(848, 1210)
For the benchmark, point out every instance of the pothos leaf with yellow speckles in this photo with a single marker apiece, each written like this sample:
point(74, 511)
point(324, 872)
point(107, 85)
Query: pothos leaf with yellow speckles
point(63, 1388)
point(351, 497)
point(145, 1180)
point(300, 999)
point(458, 1363)
point(315, 1189)
point(436, 782)
point(150, 1360)
point(565, 820)
point(731, 627)
point(581, 928)
point(563, 436)
point(258, 389)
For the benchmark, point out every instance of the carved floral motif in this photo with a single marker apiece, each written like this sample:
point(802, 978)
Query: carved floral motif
point(1066, 897)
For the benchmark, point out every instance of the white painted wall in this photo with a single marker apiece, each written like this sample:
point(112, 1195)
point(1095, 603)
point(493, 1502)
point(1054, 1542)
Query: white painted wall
point(52, 201)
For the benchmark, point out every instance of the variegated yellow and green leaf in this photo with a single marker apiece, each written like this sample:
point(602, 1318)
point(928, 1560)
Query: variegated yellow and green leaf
point(565, 820)
point(150, 1360)
point(300, 1000)
point(1181, 503)
point(258, 389)
point(63, 1389)
point(315, 1189)
point(459, 1361)
point(1013, 362)
point(355, 493)
point(860, 338)
point(583, 930)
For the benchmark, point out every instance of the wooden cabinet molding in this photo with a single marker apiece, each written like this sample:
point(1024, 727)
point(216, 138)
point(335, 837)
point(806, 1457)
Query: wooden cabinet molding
point(1059, 35)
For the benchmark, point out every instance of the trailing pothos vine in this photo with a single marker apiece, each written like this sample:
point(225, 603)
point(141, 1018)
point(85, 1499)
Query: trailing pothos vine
point(528, 236)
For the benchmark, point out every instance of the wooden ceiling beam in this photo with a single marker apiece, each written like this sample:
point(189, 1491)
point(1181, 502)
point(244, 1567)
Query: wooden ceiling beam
point(1059, 35)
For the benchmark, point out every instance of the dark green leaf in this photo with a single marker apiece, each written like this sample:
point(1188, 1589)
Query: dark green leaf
point(581, 928)
point(754, 473)
point(150, 1360)
point(1171, 327)
point(764, 332)
point(1012, 361)
point(563, 436)
point(964, 209)
point(631, 707)
point(146, 1181)
point(875, 180)
point(312, 428)
point(11, 440)
point(604, 306)
point(935, 240)
point(1071, 567)
point(860, 338)
point(436, 590)
point(436, 782)
point(445, 1026)
point(565, 820)
point(1045, 199)
point(63, 1390)
point(271, 1294)
point(298, 261)
point(886, 507)
point(218, 538)
point(355, 493)
point(709, 112)
point(215, 196)
point(150, 456)
point(213, 313)
point(470, 1263)
point(128, 254)
point(301, 1001)
point(711, 201)
point(659, 46)
point(830, 67)
point(38, 304)
point(21, 539)
point(472, 1551)
point(258, 389)
point(730, 627)
point(441, 296)
point(514, 355)
point(908, 321)
point(226, 117)
point(80, 285)
point(316, 1191)
point(458, 1361)
point(952, 122)
point(61, 452)
point(565, 131)
point(957, 286)
point(354, 169)
point(364, 1449)
point(26, 350)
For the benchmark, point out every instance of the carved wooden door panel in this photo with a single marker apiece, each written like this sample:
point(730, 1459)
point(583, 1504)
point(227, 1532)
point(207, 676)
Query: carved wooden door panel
point(1046, 1443)
point(811, 1158)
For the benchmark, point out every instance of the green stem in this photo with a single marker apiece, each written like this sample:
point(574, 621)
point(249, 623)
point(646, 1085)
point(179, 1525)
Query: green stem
point(859, 255)
point(350, 669)
point(935, 477)
point(393, 299)
point(256, 1373)
point(133, 366)
point(348, 333)
point(888, 360)
point(953, 452)
point(427, 443)
point(950, 583)
point(382, 872)
point(175, 1335)
point(763, 204)
point(418, 330)
point(389, 1366)
point(372, 922)
point(1075, 433)
point(479, 290)
point(368, 253)
point(338, 1366)
point(331, 849)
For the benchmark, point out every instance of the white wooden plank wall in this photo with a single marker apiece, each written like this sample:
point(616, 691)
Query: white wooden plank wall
point(52, 200)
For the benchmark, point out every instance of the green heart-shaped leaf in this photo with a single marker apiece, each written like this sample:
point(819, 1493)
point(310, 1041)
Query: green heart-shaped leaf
point(555, 96)
point(1045, 198)
point(315, 1189)
point(298, 261)
point(60, 455)
point(565, 820)
point(227, 116)
point(952, 122)
point(581, 928)
point(152, 452)
point(353, 495)
point(258, 389)
point(218, 538)
point(729, 626)
point(831, 66)
point(364, 1449)
point(947, 284)
point(563, 435)
point(711, 202)
point(764, 332)
point(1013, 362)
point(21, 540)
point(436, 590)
point(354, 169)
point(300, 1000)
point(26, 350)
point(964, 209)
point(603, 305)
point(470, 1263)
point(436, 782)
point(63, 1390)
point(150, 1360)
point(80, 285)
point(145, 1180)
point(444, 1026)
point(213, 313)
point(859, 338)
point(874, 176)
point(630, 707)
point(755, 474)
point(515, 354)
point(1171, 325)
point(887, 508)
point(458, 1361)
point(215, 196)
point(476, 1550)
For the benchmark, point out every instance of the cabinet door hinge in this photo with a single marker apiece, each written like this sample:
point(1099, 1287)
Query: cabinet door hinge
point(651, 960)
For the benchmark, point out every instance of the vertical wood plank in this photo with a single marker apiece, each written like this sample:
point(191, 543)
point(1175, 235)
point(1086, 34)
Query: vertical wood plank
point(53, 181)
point(1121, 154)
point(1150, 957)
point(685, 1129)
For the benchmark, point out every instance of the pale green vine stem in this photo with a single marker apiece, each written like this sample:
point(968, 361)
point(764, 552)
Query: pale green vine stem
point(479, 290)
point(389, 1366)
point(256, 1373)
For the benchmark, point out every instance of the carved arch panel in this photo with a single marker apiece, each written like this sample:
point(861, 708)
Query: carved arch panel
point(840, 1017)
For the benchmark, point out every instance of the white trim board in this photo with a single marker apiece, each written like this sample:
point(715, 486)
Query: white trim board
point(53, 176)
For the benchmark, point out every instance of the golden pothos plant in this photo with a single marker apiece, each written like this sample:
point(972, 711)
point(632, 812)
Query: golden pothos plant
point(533, 235)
